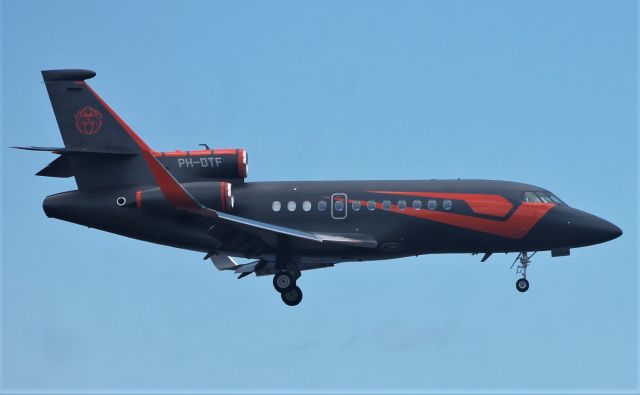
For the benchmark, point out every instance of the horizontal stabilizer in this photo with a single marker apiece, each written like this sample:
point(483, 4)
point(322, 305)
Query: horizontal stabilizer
point(67, 75)
point(78, 151)
point(61, 168)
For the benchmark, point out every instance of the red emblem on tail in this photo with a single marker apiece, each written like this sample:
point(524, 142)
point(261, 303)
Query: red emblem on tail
point(88, 121)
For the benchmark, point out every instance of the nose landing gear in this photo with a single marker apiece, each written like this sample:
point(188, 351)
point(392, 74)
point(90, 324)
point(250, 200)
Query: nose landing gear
point(522, 284)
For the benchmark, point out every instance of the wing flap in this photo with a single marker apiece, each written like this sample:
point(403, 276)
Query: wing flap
point(223, 262)
point(269, 227)
point(356, 240)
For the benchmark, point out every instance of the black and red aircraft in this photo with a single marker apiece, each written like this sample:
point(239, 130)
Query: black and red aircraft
point(199, 200)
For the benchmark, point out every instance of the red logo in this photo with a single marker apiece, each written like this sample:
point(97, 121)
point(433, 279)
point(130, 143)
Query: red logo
point(88, 121)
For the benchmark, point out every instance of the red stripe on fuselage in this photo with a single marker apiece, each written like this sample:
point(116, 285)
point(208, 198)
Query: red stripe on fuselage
point(516, 227)
point(480, 203)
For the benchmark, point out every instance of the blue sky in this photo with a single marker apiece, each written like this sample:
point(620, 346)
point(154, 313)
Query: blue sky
point(541, 92)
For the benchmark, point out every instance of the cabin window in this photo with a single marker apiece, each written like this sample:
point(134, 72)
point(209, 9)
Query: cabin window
point(291, 206)
point(306, 205)
point(322, 205)
point(432, 204)
point(417, 204)
point(402, 204)
point(356, 205)
point(386, 205)
point(371, 205)
point(339, 205)
point(447, 204)
point(276, 206)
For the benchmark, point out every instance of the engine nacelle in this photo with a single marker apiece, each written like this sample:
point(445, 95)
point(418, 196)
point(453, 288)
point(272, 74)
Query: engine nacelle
point(201, 165)
point(214, 195)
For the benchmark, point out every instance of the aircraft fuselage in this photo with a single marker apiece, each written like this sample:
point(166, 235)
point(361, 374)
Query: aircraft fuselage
point(452, 216)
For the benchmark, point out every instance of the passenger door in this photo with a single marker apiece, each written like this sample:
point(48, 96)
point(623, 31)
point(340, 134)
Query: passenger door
point(339, 204)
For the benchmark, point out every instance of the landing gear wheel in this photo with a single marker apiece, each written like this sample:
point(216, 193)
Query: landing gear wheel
point(292, 297)
point(283, 281)
point(522, 285)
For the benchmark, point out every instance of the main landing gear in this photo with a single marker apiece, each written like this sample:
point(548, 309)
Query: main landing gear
point(285, 282)
point(292, 297)
point(522, 284)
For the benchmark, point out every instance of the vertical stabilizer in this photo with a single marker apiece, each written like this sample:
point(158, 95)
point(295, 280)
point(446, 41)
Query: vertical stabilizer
point(88, 124)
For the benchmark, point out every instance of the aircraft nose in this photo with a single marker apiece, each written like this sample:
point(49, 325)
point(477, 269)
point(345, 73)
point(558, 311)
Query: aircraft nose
point(608, 231)
point(594, 230)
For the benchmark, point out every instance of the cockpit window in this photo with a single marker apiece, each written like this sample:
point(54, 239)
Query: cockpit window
point(542, 197)
point(531, 197)
point(556, 199)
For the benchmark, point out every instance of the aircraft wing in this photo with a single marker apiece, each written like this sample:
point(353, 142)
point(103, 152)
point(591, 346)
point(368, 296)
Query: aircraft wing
point(266, 226)
point(357, 240)
point(177, 196)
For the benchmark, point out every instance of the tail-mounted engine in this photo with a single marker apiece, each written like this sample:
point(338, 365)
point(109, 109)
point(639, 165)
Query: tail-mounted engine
point(202, 165)
point(214, 195)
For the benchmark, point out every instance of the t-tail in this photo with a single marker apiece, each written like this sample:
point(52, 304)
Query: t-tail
point(100, 149)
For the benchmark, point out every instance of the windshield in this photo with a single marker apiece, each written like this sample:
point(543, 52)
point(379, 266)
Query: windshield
point(542, 197)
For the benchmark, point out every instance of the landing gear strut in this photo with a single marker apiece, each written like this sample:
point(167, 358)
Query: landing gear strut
point(522, 284)
point(284, 282)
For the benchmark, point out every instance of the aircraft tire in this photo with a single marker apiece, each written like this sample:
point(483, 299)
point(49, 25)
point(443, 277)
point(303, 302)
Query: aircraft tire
point(522, 285)
point(292, 297)
point(283, 281)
